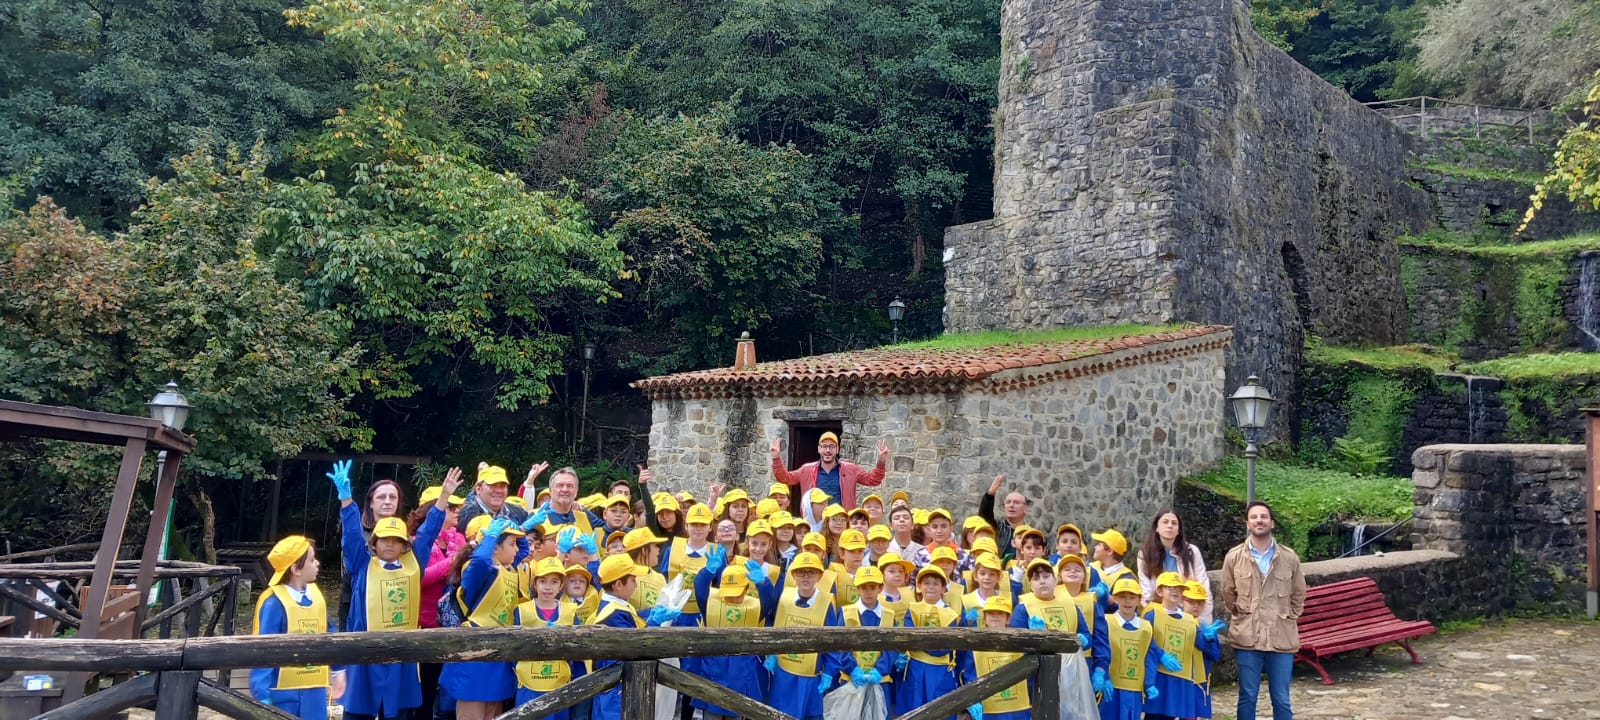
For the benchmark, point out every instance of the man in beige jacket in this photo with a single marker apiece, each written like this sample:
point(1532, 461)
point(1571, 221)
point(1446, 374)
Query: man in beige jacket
point(1264, 592)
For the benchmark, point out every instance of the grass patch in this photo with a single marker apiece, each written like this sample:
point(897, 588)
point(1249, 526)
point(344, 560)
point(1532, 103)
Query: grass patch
point(1396, 357)
point(1540, 366)
point(1462, 625)
point(990, 338)
point(1303, 498)
point(1477, 246)
point(1482, 173)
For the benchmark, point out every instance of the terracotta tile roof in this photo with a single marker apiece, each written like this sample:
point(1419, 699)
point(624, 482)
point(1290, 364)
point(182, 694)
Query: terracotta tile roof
point(894, 371)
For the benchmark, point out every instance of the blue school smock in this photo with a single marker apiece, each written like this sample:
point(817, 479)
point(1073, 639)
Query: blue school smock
point(922, 682)
point(608, 705)
point(378, 690)
point(886, 659)
point(967, 670)
point(481, 681)
point(304, 703)
point(578, 668)
point(1181, 697)
point(1129, 704)
point(796, 695)
point(742, 674)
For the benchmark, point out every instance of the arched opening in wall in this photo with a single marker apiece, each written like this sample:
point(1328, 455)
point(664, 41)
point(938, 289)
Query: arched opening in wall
point(1296, 325)
point(1295, 267)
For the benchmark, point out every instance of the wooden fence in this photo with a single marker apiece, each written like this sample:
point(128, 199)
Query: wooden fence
point(1428, 115)
point(173, 681)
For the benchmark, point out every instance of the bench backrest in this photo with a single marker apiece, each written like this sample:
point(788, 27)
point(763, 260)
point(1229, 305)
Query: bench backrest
point(1348, 601)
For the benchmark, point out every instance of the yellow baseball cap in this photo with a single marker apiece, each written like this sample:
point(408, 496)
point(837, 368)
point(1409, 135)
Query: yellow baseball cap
point(833, 510)
point(828, 437)
point(817, 495)
point(285, 554)
point(614, 536)
point(616, 500)
point(862, 513)
point(478, 525)
point(1127, 585)
point(430, 495)
point(542, 496)
point(759, 527)
point(973, 522)
point(493, 475)
point(899, 496)
point(549, 566)
point(781, 518)
point(806, 561)
point(871, 497)
point(517, 501)
point(391, 527)
point(735, 495)
point(919, 516)
point(664, 501)
point(1064, 527)
point(1113, 540)
point(879, 532)
point(943, 552)
point(638, 538)
point(699, 515)
point(592, 501)
point(999, 604)
point(581, 570)
point(991, 561)
point(778, 489)
point(932, 569)
point(1195, 590)
point(940, 512)
point(985, 545)
point(814, 539)
point(686, 497)
point(852, 540)
point(735, 582)
point(1040, 563)
point(888, 559)
point(1169, 579)
point(616, 567)
point(766, 507)
point(1071, 559)
point(1030, 532)
point(868, 574)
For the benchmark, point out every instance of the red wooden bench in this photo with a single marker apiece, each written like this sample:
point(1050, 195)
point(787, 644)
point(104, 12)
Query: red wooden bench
point(1351, 615)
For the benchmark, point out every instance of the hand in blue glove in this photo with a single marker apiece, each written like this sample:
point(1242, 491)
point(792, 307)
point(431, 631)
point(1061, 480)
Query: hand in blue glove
point(858, 678)
point(1101, 683)
point(900, 661)
point(1209, 631)
point(1037, 623)
point(976, 711)
point(1151, 693)
point(754, 571)
point(267, 701)
point(874, 677)
point(1169, 662)
point(587, 543)
point(567, 539)
point(1083, 641)
point(716, 560)
point(662, 615)
point(825, 685)
point(341, 478)
point(536, 519)
point(971, 616)
point(496, 527)
point(770, 662)
point(1101, 591)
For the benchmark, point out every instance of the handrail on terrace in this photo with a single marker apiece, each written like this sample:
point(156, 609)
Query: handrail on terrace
point(179, 687)
point(1476, 122)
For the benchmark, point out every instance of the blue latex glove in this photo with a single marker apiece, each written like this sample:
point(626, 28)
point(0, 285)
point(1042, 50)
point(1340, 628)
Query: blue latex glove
point(663, 615)
point(1083, 641)
point(537, 518)
point(1169, 662)
point(1151, 693)
point(1101, 683)
point(1036, 623)
point(566, 539)
point(971, 616)
point(874, 677)
point(496, 527)
point(341, 479)
point(267, 701)
point(754, 571)
point(587, 543)
point(825, 685)
point(1101, 591)
point(858, 678)
point(716, 560)
point(976, 711)
point(770, 662)
point(900, 661)
point(1209, 631)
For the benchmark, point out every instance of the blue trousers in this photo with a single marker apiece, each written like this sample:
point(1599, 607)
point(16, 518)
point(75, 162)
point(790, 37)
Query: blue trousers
point(1278, 666)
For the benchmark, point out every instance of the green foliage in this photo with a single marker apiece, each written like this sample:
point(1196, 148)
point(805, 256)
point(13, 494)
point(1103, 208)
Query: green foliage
point(1363, 46)
point(1394, 357)
point(1379, 408)
point(1575, 167)
point(1304, 498)
point(1513, 53)
point(1544, 392)
point(1480, 173)
point(1278, 20)
point(990, 338)
point(1544, 366)
point(1359, 456)
point(96, 97)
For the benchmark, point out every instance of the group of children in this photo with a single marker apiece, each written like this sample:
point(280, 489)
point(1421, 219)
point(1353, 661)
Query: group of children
point(751, 563)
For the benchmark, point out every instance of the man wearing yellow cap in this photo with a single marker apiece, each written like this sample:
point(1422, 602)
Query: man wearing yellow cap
point(293, 604)
point(489, 498)
point(838, 478)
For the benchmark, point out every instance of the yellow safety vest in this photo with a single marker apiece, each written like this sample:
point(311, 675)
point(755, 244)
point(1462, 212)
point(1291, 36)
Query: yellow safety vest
point(722, 613)
point(1059, 613)
point(971, 599)
point(866, 659)
point(306, 619)
point(792, 615)
point(650, 587)
point(896, 608)
point(681, 564)
point(544, 675)
point(585, 609)
point(925, 615)
point(844, 586)
point(1089, 604)
point(1128, 648)
point(1011, 699)
point(494, 609)
point(1175, 635)
point(394, 597)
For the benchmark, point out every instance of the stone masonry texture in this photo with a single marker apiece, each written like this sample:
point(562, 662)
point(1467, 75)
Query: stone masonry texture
point(1100, 450)
point(1157, 161)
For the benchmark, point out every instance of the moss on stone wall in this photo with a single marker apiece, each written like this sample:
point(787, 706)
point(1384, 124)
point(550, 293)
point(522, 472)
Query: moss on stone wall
point(1544, 394)
point(1355, 402)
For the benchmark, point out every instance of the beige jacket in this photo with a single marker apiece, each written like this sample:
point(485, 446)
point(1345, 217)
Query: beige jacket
point(1263, 610)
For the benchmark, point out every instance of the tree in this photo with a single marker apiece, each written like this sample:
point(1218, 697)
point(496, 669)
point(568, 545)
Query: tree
point(1575, 167)
point(1522, 53)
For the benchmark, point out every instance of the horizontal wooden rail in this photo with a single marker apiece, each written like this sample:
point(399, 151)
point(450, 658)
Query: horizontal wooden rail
point(124, 568)
point(501, 645)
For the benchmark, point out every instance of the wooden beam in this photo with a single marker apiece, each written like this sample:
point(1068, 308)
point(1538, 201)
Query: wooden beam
point(27, 554)
point(165, 484)
point(567, 695)
point(111, 541)
point(811, 414)
point(639, 688)
point(219, 698)
point(29, 601)
point(124, 569)
point(106, 703)
point(948, 704)
point(365, 459)
point(181, 606)
point(43, 586)
point(1047, 706)
point(507, 644)
point(175, 695)
point(721, 695)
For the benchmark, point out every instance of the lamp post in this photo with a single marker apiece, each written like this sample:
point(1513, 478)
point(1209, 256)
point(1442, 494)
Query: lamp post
point(1252, 409)
point(897, 310)
point(583, 421)
point(169, 407)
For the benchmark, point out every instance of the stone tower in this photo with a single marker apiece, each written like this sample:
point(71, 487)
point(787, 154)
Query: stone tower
point(1156, 161)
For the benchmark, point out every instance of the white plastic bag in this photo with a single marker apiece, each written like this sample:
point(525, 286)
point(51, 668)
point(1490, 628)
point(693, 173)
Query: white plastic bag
point(855, 703)
point(1077, 690)
point(674, 595)
point(666, 698)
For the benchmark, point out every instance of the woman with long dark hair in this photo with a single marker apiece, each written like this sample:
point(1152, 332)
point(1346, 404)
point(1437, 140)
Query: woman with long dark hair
point(383, 500)
point(1166, 550)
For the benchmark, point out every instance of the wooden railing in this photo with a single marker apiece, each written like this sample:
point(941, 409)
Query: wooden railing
point(1432, 115)
point(173, 668)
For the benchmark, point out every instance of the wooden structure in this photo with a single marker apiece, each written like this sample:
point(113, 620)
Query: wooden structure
point(174, 683)
point(137, 436)
point(1351, 615)
point(1591, 494)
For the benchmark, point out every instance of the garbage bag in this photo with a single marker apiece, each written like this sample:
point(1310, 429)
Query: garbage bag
point(666, 698)
point(674, 595)
point(855, 703)
point(1077, 690)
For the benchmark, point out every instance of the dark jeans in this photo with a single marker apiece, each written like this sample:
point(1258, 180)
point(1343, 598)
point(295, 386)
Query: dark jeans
point(429, 675)
point(1278, 666)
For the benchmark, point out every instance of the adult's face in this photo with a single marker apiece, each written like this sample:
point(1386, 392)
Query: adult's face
point(1167, 527)
point(493, 495)
point(828, 451)
point(385, 501)
point(563, 491)
point(1259, 521)
point(1016, 507)
point(782, 498)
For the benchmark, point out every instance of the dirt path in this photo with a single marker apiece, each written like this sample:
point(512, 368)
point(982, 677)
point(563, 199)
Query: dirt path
point(1522, 669)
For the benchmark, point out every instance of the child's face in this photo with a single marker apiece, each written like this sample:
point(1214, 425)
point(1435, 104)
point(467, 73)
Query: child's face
point(388, 549)
point(874, 510)
point(860, 522)
point(948, 566)
point(1102, 553)
point(837, 524)
point(308, 571)
point(1068, 543)
point(505, 551)
point(785, 534)
point(1043, 584)
point(651, 556)
point(667, 519)
point(546, 547)
point(1072, 576)
point(894, 576)
point(932, 588)
point(1032, 548)
point(939, 530)
point(738, 510)
point(616, 516)
point(758, 545)
point(987, 578)
point(995, 619)
point(615, 547)
point(577, 586)
point(900, 521)
point(1193, 607)
point(869, 593)
point(1127, 603)
point(624, 588)
point(806, 580)
point(576, 556)
point(879, 547)
point(548, 587)
point(727, 532)
point(1172, 597)
point(818, 508)
point(852, 558)
point(698, 532)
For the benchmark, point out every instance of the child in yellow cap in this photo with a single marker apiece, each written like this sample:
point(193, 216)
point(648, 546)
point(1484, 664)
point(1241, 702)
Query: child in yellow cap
point(386, 594)
point(928, 673)
point(619, 580)
point(732, 596)
point(875, 509)
point(1110, 548)
point(1196, 600)
point(878, 537)
point(898, 574)
point(488, 589)
point(780, 494)
point(1030, 547)
point(535, 678)
point(580, 591)
point(1183, 635)
point(872, 667)
point(1125, 674)
point(800, 679)
point(852, 553)
point(986, 584)
point(293, 604)
point(1012, 703)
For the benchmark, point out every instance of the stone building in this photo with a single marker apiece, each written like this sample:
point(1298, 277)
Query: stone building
point(1096, 431)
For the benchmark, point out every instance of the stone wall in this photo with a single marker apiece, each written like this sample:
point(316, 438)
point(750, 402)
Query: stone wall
point(1519, 509)
point(1476, 301)
point(1158, 161)
point(1103, 449)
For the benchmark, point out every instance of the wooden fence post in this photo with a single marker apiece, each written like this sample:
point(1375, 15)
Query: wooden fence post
point(1048, 705)
point(175, 695)
point(1422, 117)
point(639, 688)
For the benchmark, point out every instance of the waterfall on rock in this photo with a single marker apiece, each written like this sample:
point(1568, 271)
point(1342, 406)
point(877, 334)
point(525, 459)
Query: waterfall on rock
point(1589, 303)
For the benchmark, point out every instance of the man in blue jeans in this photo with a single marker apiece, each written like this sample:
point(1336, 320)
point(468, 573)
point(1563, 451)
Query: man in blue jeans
point(1264, 593)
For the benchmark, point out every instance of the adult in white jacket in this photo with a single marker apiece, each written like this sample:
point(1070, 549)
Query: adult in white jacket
point(1166, 550)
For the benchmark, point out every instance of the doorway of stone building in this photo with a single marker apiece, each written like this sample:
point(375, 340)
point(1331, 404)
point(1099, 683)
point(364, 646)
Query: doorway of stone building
point(803, 437)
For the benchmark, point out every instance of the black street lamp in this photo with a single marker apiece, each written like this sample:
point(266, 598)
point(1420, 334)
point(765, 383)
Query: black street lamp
point(897, 310)
point(1252, 410)
point(583, 422)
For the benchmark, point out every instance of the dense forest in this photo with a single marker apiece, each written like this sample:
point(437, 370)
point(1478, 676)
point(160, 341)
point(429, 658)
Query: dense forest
point(379, 224)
